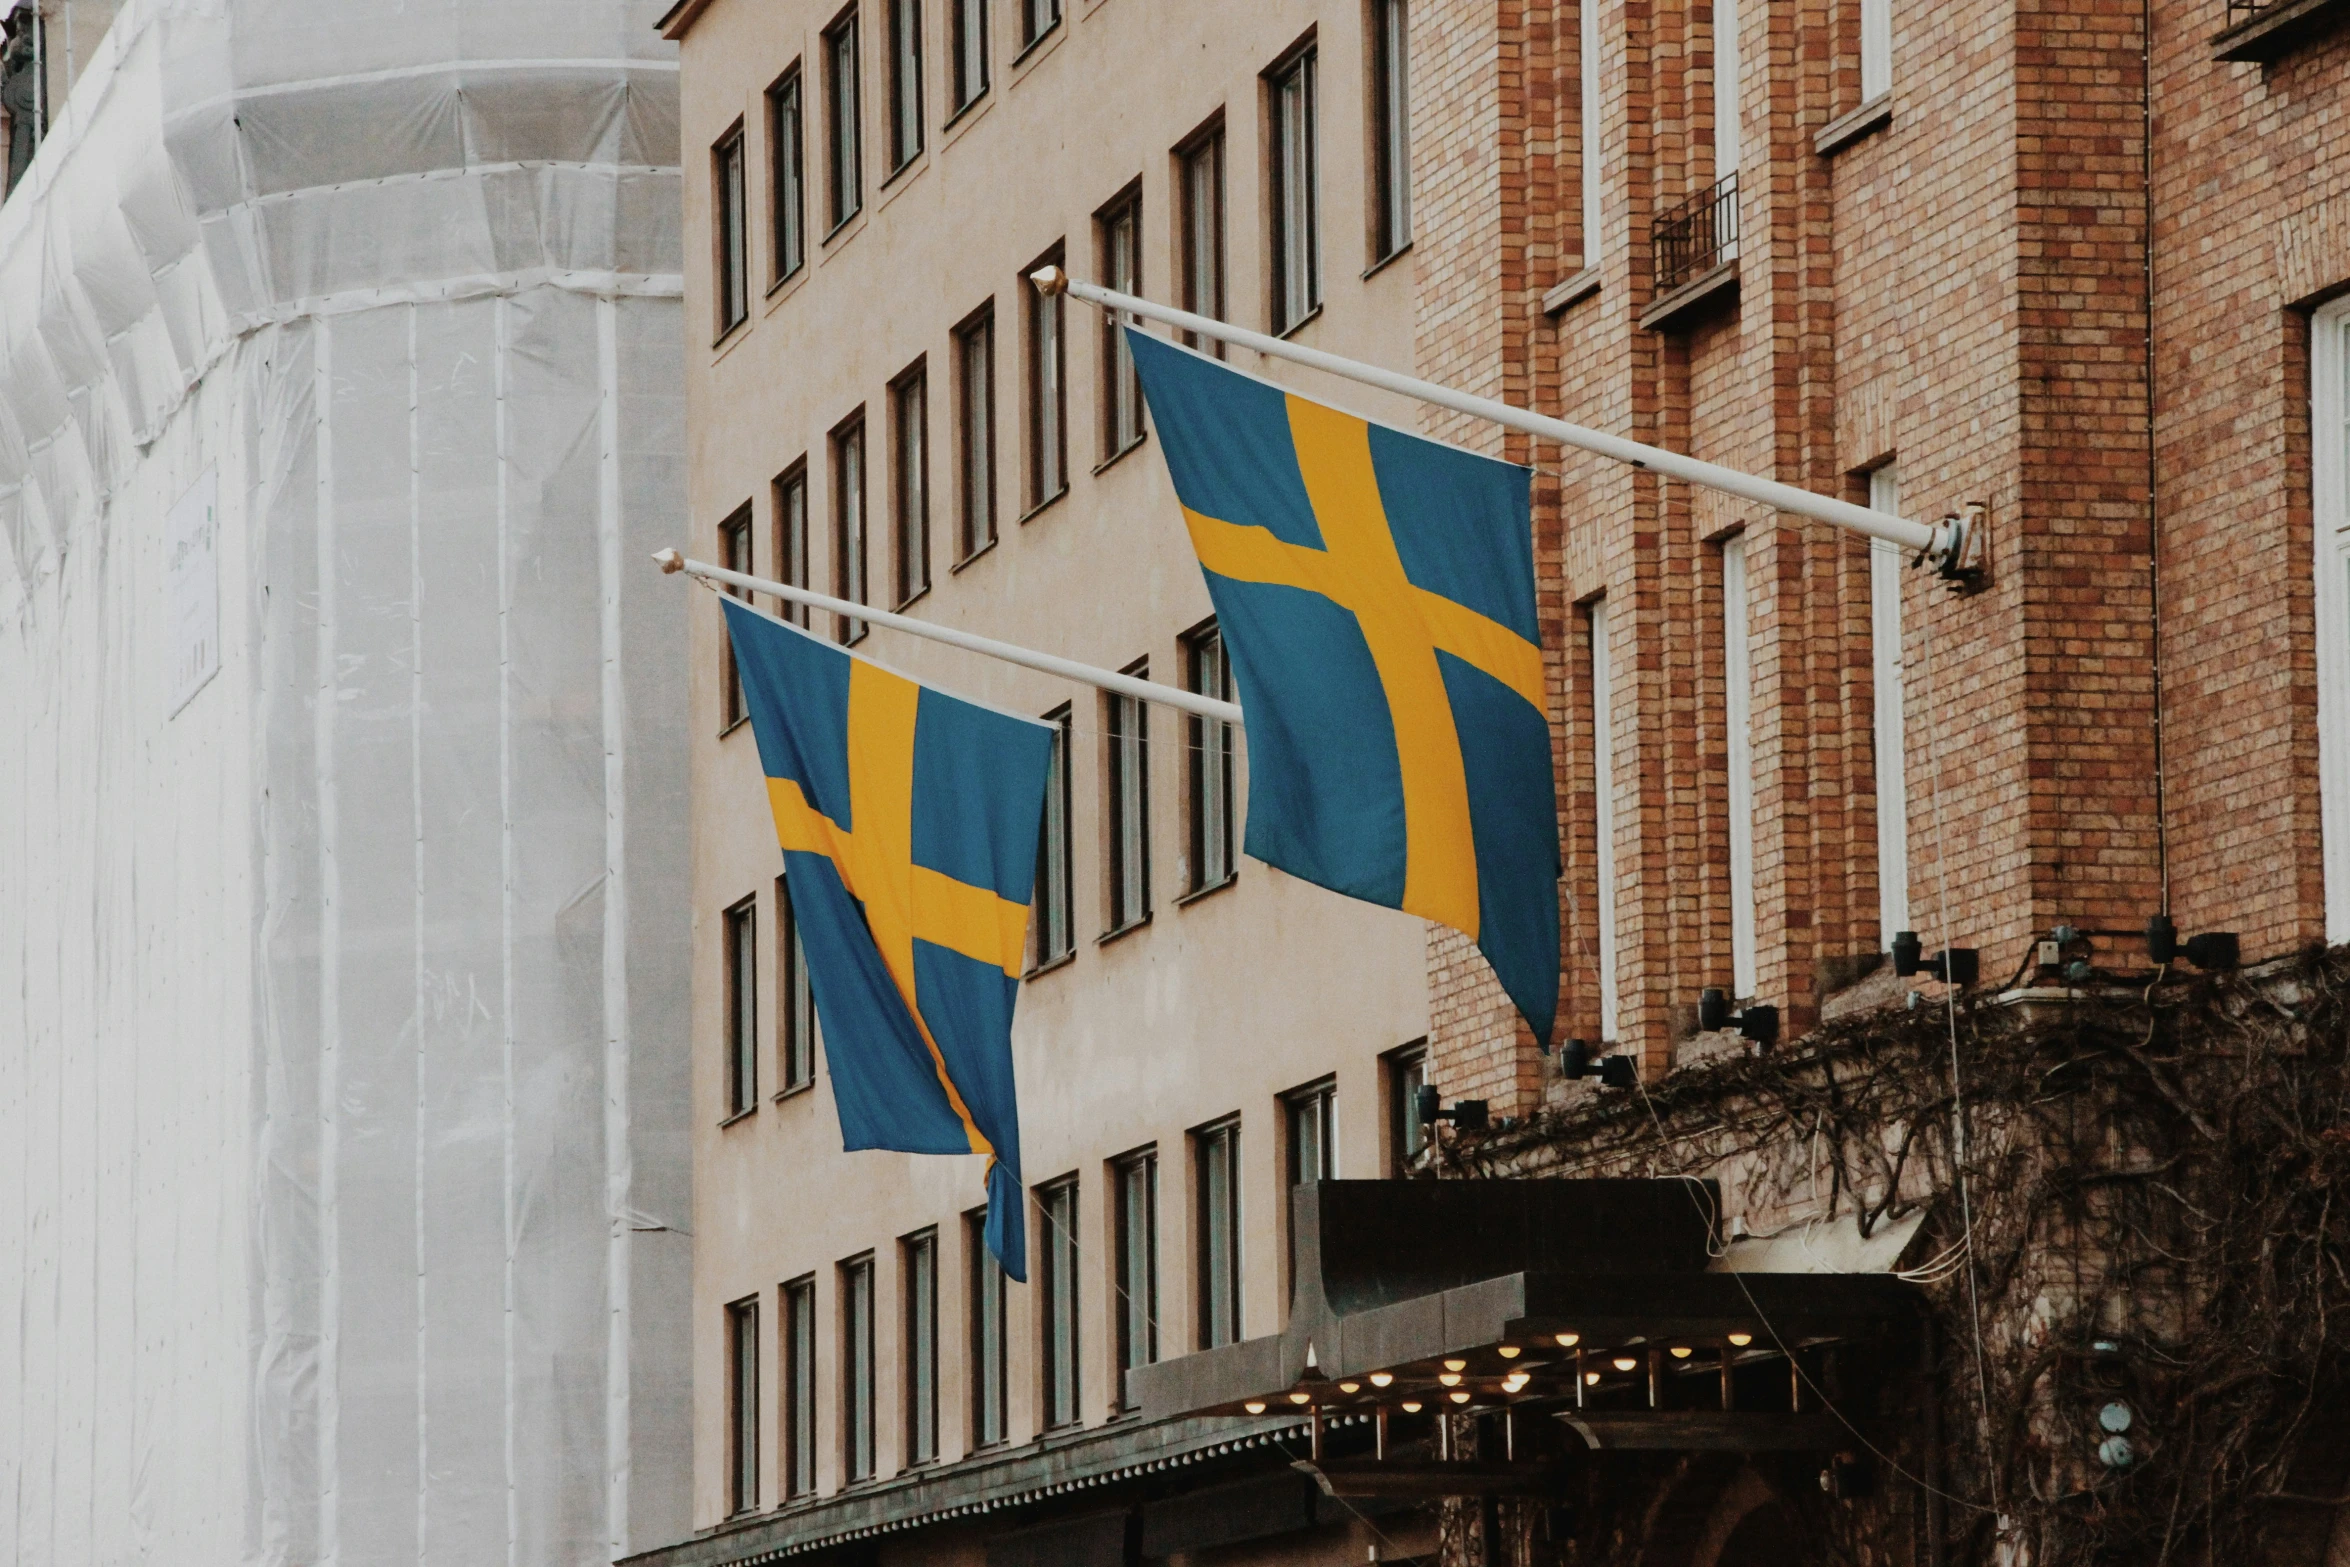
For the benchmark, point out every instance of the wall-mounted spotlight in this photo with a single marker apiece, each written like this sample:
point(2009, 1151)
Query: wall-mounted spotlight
point(1956, 966)
point(1759, 1024)
point(1467, 1115)
point(2212, 950)
point(1576, 1060)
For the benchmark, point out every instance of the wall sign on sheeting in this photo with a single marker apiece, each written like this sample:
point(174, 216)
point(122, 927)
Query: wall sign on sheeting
point(191, 568)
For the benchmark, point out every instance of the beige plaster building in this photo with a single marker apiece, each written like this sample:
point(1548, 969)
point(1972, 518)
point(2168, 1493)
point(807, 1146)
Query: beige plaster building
point(881, 407)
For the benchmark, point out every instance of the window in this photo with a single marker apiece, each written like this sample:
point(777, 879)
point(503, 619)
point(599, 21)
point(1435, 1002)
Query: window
point(1048, 396)
point(787, 150)
point(731, 231)
point(1137, 1180)
point(1588, 124)
point(791, 537)
point(1208, 757)
point(1876, 49)
point(1312, 1113)
point(909, 417)
point(1407, 1074)
point(1057, 1203)
point(905, 82)
point(1891, 747)
point(1216, 1182)
point(918, 1257)
point(799, 1387)
point(1056, 888)
point(1037, 18)
point(975, 432)
point(795, 998)
point(1129, 805)
point(1296, 192)
point(742, 1399)
point(1119, 226)
point(844, 149)
point(1200, 165)
point(856, 1368)
point(1391, 128)
point(2329, 409)
point(989, 1382)
point(1738, 714)
point(848, 522)
point(734, 553)
point(742, 1007)
point(1603, 814)
point(970, 50)
point(1727, 127)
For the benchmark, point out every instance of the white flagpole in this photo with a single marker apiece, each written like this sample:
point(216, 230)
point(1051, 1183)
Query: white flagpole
point(1068, 669)
point(1944, 544)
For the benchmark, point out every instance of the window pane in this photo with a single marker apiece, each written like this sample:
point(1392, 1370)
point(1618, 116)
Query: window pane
point(1054, 889)
point(733, 235)
point(910, 417)
point(1407, 1072)
point(795, 997)
point(1391, 133)
point(1122, 271)
point(799, 1301)
point(905, 80)
point(1737, 673)
point(791, 540)
point(1217, 1154)
point(857, 1368)
point(846, 156)
point(1311, 1156)
point(1047, 402)
point(1211, 748)
point(788, 148)
point(921, 1278)
point(1603, 815)
point(975, 351)
point(742, 1327)
point(742, 1004)
point(848, 524)
point(1058, 1206)
point(970, 50)
point(1296, 197)
point(1138, 1267)
point(1129, 808)
point(734, 553)
point(1203, 233)
point(987, 1335)
point(1037, 18)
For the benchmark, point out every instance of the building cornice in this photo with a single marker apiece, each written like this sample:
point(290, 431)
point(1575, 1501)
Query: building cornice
point(679, 18)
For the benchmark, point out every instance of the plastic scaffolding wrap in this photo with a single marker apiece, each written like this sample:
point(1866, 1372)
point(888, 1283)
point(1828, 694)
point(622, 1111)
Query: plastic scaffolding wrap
point(343, 1154)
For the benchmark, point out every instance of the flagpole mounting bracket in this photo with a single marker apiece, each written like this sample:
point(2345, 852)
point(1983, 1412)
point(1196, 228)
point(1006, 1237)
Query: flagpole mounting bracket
point(669, 561)
point(1960, 552)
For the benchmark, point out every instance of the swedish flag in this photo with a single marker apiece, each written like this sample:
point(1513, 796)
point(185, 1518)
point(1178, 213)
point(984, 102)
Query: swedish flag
point(1376, 592)
point(908, 820)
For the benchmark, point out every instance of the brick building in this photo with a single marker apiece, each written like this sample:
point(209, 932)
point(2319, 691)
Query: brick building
point(1897, 253)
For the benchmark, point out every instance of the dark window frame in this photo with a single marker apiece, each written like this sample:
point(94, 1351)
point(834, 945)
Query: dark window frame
point(918, 1324)
point(906, 126)
point(1289, 311)
point(794, 559)
point(1060, 1305)
point(1054, 919)
point(844, 130)
point(852, 524)
point(975, 434)
point(1199, 159)
point(1389, 101)
point(1039, 20)
point(736, 552)
point(1216, 1231)
point(800, 1432)
point(1045, 377)
point(795, 999)
point(1136, 1261)
point(990, 1331)
point(1402, 1071)
point(909, 483)
point(1118, 239)
point(860, 1379)
point(787, 172)
point(730, 228)
point(970, 44)
point(1211, 777)
point(739, 925)
point(742, 1405)
point(1126, 803)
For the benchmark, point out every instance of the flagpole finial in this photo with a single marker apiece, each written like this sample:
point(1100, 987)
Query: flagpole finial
point(669, 561)
point(1049, 281)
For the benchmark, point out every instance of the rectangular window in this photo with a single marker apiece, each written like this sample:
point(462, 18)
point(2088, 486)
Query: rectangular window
point(1885, 565)
point(848, 523)
point(1057, 1206)
point(1056, 888)
point(799, 1387)
point(787, 150)
point(732, 230)
point(734, 553)
point(1727, 126)
point(856, 1368)
point(1128, 806)
point(791, 537)
point(970, 50)
point(1200, 163)
point(1876, 49)
point(990, 1383)
point(1312, 1113)
point(2329, 411)
point(1037, 18)
point(742, 1398)
point(1119, 227)
point(1137, 1179)
point(742, 1007)
point(918, 1258)
point(1209, 756)
point(975, 432)
point(1215, 1152)
point(1603, 814)
point(795, 998)
point(1048, 394)
point(1296, 192)
point(905, 82)
point(1407, 1074)
point(844, 147)
point(909, 418)
point(1391, 128)
point(1738, 715)
point(1588, 123)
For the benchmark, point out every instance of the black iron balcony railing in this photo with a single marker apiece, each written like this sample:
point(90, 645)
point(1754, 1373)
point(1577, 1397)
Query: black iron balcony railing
point(1698, 235)
point(2245, 10)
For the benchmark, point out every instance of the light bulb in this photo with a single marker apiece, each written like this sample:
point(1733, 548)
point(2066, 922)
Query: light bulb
point(1456, 1365)
point(1255, 1406)
point(1350, 1387)
point(1411, 1406)
point(1590, 1377)
point(1512, 1384)
point(1301, 1398)
point(1450, 1379)
point(1460, 1398)
point(1623, 1362)
point(1569, 1340)
point(1382, 1378)
point(1509, 1352)
point(1741, 1340)
point(1680, 1352)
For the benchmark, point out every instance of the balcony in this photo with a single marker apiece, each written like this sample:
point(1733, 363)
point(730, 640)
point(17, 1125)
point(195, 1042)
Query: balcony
point(2268, 30)
point(1696, 251)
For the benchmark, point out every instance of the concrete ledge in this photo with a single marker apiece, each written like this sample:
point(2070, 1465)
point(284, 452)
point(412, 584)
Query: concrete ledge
point(1580, 285)
point(1842, 131)
point(2271, 34)
point(1693, 301)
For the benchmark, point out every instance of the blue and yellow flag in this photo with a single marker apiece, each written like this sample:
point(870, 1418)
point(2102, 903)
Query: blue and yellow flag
point(908, 820)
point(1376, 592)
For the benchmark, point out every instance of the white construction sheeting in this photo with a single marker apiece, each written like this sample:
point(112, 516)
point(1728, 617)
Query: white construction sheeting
point(343, 1158)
